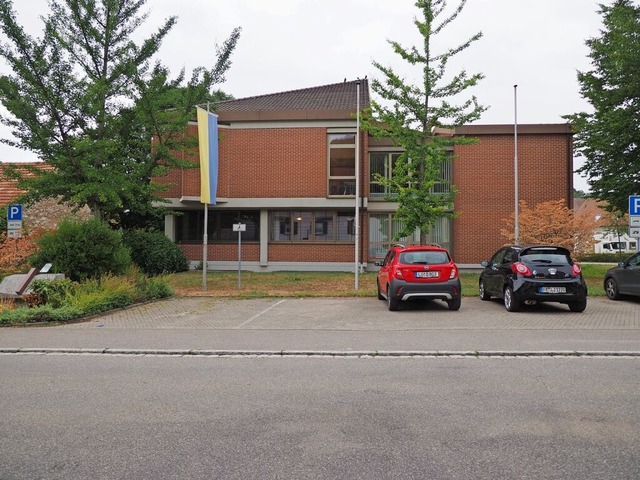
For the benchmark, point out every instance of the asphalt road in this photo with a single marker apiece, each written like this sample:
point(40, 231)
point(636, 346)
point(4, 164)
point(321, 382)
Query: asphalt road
point(157, 417)
point(324, 388)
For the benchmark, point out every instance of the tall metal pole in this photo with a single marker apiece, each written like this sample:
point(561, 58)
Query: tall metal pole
point(357, 217)
point(204, 248)
point(515, 163)
point(205, 239)
point(239, 256)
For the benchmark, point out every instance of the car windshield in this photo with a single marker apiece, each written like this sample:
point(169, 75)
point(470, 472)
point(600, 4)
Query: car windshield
point(545, 257)
point(424, 258)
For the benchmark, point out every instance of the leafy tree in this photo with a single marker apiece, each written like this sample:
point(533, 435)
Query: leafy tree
point(609, 136)
point(553, 223)
point(83, 250)
point(89, 101)
point(580, 194)
point(409, 114)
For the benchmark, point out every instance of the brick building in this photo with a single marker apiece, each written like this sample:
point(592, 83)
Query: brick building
point(287, 171)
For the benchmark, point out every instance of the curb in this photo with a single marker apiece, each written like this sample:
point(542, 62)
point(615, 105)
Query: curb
point(322, 353)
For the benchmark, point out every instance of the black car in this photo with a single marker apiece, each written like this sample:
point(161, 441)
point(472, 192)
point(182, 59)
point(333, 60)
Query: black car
point(623, 279)
point(525, 275)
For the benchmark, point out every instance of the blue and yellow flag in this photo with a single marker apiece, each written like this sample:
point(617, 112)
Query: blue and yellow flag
point(208, 140)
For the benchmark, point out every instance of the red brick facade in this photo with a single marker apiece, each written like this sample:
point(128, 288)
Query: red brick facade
point(484, 177)
point(279, 162)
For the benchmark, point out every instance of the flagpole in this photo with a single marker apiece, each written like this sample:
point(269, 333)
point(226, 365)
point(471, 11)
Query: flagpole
point(515, 164)
point(208, 154)
point(205, 239)
point(204, 248)
point(357, 216)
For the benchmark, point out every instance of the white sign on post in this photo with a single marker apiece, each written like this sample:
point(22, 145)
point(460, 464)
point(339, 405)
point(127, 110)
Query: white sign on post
point(634, 232)
point(239, 227)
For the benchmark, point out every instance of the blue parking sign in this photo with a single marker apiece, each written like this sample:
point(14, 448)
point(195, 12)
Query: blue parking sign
point(14, 212)
point(634, 205)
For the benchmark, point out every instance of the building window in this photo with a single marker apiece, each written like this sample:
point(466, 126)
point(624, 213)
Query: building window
point(383, 163)
point(312, 226)
point(380, 163)
point(342, 164)
point(383, 227)
point(190, 226)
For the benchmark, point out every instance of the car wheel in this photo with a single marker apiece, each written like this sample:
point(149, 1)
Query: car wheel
point(510, 303)
point(392, 303)
point(578, 306)
point(611, 287)
point(483, 293)
point(380, 296)
point(454, 303)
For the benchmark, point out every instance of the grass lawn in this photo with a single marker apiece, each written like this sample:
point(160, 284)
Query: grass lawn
point(320, 284)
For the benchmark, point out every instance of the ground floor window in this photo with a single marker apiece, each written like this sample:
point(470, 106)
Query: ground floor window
point(312, 225)
point(382, 228)
point(190, 226)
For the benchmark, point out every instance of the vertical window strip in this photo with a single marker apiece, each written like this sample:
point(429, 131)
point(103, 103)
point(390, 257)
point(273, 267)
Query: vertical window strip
point(341, 164)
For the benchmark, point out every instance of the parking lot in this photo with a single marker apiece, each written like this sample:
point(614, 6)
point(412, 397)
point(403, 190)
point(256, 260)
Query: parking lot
point(360, 314)
point(321, 325)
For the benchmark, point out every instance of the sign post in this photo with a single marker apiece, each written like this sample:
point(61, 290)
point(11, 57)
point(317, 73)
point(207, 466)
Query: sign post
point(239, 227)
point(14, 221)
point(634, 217)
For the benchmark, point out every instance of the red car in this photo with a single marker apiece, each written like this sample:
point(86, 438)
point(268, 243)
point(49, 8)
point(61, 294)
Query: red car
point(418, 272)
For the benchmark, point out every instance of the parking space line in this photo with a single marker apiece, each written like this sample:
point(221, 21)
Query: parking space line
point(246, 322)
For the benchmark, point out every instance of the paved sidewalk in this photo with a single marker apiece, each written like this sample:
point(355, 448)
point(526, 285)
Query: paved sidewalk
point(342, 325)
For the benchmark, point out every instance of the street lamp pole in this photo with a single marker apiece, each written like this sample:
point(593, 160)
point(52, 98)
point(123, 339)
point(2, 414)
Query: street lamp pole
point(357, 216)
point(515, 163)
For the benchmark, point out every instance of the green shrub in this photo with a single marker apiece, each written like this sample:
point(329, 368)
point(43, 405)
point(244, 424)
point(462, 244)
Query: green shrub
point(53, 292)
point(83, 250)
point(45, 313)
point(605, 257)
point(68, 300)
point(155, 288)
point(97, 296)
point(154, 253)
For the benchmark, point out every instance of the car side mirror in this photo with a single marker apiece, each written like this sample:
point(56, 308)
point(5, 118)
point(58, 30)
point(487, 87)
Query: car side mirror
point(484, 263)
point(621, 264)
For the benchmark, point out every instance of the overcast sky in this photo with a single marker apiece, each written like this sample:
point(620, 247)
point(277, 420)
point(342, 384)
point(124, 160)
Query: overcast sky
point(290, 44)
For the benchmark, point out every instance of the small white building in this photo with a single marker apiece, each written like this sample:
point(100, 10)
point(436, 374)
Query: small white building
point(607, 242)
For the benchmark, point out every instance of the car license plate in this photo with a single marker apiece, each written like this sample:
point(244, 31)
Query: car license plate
point(426, 274)
point(553, 289)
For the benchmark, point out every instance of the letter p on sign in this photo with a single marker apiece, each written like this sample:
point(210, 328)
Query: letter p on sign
point(634, 205)
point(14, 212)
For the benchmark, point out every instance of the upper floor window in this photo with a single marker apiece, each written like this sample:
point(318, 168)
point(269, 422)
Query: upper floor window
point(342, 164)
point(383, 163)
point(380, 163)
